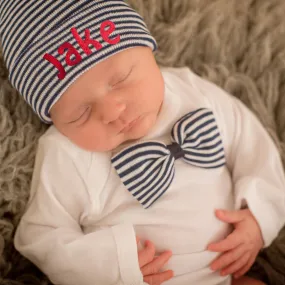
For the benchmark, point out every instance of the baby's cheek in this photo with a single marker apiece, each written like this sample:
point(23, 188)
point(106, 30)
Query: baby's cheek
point(90, 137)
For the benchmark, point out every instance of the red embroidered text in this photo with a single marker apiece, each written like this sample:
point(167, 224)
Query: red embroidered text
point(72, 56)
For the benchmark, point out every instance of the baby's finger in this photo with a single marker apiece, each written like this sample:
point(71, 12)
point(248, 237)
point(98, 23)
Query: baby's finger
point(231, 216)
point(231, 241)
point(158, 278)
point(237, 265)
point(155, 265)
point(245, 268)
point(228, 257)
point(146, 255)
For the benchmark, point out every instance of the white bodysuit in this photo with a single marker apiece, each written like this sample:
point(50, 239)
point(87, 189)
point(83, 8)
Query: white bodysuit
point(81, 223)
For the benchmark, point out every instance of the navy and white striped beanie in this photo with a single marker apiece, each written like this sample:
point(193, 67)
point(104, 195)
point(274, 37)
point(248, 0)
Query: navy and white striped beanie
point(48, 44)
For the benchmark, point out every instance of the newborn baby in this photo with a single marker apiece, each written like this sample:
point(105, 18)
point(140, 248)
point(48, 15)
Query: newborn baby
point(147, 175)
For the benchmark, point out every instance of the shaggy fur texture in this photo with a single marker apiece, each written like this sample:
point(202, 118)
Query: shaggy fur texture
point(238, 44)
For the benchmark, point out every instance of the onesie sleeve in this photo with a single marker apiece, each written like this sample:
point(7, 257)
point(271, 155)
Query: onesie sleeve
point(49, 233)
point(252, 158)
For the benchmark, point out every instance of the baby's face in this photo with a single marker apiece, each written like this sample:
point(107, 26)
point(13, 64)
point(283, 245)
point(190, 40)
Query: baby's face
point(117, 100)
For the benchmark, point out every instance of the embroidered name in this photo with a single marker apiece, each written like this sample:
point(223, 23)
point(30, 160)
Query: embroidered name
point(72, 56)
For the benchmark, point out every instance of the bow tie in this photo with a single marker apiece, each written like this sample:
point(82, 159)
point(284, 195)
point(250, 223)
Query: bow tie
point(147, 168)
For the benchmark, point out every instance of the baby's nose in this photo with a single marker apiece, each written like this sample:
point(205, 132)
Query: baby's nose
point(112, 112)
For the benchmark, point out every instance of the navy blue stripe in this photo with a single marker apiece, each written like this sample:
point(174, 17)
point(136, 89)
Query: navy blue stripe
point(166, 188)
point(190, 114)
point(203, 154)
point(148, 180)
point(201, 134)
point(136, 191)
point(81, 9)
point(159, 178)
point(9, 32)
point(134, 147)
point(84, 68)
point(179, 127)
point(217, 166)
point(206, 162)
point(182, 120)
point(36, 20)
point(5, 5)
point(199, 118)
point(208, 139)
point(209, 147)
point(138, 155)
point(139, 175)
point(200, 126)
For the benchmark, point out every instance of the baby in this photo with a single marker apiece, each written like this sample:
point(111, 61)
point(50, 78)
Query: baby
point(147, 175)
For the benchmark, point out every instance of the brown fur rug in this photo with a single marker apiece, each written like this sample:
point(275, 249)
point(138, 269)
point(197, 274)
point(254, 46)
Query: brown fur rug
point(238, 44)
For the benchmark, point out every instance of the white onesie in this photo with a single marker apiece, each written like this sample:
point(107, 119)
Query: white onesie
point(81, 223)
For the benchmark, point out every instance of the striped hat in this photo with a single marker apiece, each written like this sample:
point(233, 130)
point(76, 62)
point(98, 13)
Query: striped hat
point(48, 44)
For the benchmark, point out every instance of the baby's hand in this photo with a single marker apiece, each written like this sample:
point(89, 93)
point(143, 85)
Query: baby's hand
point(241, 247)
point(150, 265)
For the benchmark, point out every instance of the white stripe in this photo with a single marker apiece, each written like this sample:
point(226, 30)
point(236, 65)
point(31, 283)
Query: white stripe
point(139, 170)
point(162, 178)
point(144, 170)
point(158, 162)
point(205, 159)
point(201, 129)
point(212, 164)
point(140, 149)
point(198, 141)
point(139, 159)
point(163, 189)
point(198, 124)
point(24, 37)
point(185, 122)
point(205, 151)
point(7, 8)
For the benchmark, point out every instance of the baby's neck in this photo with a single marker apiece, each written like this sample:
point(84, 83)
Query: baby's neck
point(124, 145)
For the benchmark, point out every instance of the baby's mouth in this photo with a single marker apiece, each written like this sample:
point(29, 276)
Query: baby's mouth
point(130, 125)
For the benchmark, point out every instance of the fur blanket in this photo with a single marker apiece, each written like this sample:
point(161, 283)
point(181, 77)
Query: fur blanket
point(238, 44)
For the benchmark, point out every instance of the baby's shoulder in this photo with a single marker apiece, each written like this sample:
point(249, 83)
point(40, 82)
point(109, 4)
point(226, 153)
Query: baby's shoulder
point(52, 141)
point(182, 74)
point(183, 79)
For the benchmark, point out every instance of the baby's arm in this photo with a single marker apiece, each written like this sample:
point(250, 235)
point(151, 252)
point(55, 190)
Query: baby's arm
point(258, 181)
point(50, 235)
point(251, 156)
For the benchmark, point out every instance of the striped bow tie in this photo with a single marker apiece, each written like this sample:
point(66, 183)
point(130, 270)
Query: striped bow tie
point(147, 168)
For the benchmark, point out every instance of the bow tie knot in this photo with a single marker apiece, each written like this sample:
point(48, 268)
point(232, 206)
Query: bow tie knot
point(147, 168)
point(176, 150)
